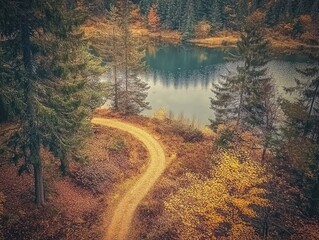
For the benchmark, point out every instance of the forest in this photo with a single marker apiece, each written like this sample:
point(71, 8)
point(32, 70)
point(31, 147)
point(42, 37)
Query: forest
point(84, 156)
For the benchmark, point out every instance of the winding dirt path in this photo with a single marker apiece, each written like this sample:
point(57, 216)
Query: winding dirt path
point(123, 214)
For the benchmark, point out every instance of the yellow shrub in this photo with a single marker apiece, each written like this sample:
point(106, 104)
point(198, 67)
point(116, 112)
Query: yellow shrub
point(206, 206)
point(202, 29)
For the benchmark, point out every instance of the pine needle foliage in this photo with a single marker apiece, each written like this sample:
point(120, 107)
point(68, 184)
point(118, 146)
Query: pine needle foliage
point(239, 96)
point(306, 122)
point(49, 65)
point(124, 56)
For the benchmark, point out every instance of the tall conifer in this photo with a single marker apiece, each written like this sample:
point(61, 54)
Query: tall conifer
point(238, 95)
point(50, 66)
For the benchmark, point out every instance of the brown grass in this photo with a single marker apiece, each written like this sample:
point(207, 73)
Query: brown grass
point(161, 35)
point(222, 39)
point(72, 211)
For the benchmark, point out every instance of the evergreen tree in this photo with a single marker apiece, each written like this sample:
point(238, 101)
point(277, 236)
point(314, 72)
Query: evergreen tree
point(174, 13)
point(50, 67)
point(9, 108)
point(145, 5)
point(315, 10)
point(242, 11)
point(239, 96)
point(300, 135)
point(288, 12)
point(125, 56)
point(216, 14)
point(189, 20)
point(273, 14)
point(307, 124)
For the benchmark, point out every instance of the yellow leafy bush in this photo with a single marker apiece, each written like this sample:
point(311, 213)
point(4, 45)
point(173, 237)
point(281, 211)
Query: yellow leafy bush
point(161, 114)
point(220, 207)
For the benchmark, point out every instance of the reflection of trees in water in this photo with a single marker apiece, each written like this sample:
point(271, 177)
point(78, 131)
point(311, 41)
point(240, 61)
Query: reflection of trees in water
point(183, 66)
point(182, 79)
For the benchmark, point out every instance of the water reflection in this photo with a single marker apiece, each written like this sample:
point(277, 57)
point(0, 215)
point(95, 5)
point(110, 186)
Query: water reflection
point(180, 78)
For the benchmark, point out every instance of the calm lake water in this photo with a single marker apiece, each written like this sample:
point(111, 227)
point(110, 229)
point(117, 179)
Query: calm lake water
point(181, 76)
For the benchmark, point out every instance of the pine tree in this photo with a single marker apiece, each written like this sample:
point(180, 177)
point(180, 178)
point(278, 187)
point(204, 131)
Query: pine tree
point(145, 5)
point(189, 20)
point(308, 99)
point(174, 12)
point(216, 15)
point(128, 92)
point(300, 134)
point(135, 91)
point(8, 90)
point(238, 95)
point(50, 66)
point(242, 11)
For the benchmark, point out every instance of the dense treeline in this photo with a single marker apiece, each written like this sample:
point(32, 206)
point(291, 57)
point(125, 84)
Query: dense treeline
point(183, 15)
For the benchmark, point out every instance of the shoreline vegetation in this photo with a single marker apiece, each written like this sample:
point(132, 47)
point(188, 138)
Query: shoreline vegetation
point(279, 42)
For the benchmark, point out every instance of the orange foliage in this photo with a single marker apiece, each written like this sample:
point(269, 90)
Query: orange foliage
point(257, 17)
point(153, 19)
point(305, 20)
point(135, 16)
point(202, 29)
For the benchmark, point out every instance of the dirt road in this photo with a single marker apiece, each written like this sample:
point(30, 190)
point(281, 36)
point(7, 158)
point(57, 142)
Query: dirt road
point(121, 220)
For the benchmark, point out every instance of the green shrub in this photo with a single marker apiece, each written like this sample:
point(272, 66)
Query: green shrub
point(117, 144)
point(187, 132)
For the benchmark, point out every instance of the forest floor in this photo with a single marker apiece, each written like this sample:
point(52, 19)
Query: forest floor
point(127, 175)
point(76, 205)
point(81, 205)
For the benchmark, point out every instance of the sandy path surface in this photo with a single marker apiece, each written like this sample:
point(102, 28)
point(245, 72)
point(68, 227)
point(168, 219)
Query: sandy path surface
point(123, 214)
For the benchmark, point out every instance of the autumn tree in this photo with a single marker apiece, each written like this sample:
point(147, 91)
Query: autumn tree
point(48, 63)
point(221, 205)
point(153, 19)
point(202, 29)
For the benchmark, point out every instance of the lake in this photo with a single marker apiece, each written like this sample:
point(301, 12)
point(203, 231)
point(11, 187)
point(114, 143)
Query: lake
point(181, 76)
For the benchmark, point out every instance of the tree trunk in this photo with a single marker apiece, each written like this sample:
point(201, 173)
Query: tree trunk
point(263, 156)
point(240, 106)
point(38, 183)
point(116, 106)
point(30, 115)
point(126, 32)
point(64, 165)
